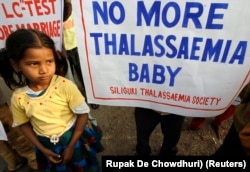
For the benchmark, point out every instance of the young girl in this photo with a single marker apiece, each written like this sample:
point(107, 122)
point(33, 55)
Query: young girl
point(48, 108)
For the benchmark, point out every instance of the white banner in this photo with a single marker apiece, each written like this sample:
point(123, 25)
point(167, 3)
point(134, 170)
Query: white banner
point(45, 16)
point(185, 57)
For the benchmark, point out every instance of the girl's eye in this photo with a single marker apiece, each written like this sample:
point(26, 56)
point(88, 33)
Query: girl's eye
point(50, 61)
point(33, 64)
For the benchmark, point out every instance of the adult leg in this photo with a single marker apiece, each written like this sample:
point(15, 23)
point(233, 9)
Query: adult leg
point(11, 157)
point(171, 126)
point(75, 66)
point(18, 149)
point(74, 59)
point(23, 146)
point(197, 122)
point(146, 120)
point(218, 120)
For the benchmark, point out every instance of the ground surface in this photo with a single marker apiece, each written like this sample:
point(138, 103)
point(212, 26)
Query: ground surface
point(119, 137)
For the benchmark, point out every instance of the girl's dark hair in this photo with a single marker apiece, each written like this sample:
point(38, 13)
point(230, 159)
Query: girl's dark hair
point(16, 45)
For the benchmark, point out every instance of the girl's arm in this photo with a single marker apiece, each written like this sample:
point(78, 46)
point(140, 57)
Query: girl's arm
point(27, 130)
point(81, 122)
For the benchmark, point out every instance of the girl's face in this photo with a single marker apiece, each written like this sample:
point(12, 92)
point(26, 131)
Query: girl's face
point(38, 66)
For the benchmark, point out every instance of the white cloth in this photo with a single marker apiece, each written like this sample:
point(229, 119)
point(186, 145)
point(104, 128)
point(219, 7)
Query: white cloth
point(3, 135)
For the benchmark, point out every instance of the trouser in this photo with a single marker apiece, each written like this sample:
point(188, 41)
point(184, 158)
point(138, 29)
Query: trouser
point(218, 120)
point(75, 67)
point(171, 125)
point(18, 147)
point(197, 122)
point(10, 156)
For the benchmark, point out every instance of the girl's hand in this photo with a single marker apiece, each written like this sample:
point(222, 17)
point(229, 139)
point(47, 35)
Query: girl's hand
point(67, 155)
point(53, 157)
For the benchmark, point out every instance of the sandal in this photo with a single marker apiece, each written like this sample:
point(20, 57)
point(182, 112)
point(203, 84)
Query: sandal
point(94, 106)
